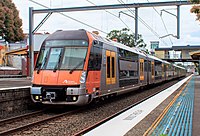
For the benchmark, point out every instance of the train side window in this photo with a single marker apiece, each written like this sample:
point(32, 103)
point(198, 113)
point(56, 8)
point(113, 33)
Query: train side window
point(108, 66)
point(113, 67)
point(127, 55)
point(145, 65)
point(95, 58)
point(149, 66)
point(141, 69)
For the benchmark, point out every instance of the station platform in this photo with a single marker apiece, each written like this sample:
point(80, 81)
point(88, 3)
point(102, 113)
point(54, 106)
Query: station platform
point(6, 83)
point(174, 111)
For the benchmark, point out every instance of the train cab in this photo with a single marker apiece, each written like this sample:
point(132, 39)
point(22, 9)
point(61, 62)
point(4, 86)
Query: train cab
point(59, 76)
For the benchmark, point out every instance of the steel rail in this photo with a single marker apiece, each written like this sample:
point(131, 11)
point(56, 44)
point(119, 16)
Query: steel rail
point(40, 122)
point(8, 120)
point(84, 131)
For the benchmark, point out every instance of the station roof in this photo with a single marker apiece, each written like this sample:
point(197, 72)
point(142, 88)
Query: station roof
point(195, 55)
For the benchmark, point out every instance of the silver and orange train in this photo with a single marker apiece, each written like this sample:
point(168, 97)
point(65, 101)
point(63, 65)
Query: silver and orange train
point(76, 67)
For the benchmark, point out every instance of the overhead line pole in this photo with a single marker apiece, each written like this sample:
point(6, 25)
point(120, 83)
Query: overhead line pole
point(178, 21)
point(90, 8)
point(136, 25)
point(114, 6)
point(31, 46)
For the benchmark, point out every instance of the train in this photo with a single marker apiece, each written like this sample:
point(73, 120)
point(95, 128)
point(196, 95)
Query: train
point(75, 67)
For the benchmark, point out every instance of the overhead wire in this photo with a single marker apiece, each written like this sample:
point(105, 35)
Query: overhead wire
point(113, 15)
point(142, 21)
point(70, 17)
point(162, 22)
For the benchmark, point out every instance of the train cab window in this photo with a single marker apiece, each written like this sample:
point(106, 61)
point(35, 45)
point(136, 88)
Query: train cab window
point(73, 57)
point(95, 58)
point(42, 58)
point(54, 58)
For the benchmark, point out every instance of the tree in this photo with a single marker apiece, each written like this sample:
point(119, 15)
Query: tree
point(127, 38)
point(196, 8)
point(10, 23)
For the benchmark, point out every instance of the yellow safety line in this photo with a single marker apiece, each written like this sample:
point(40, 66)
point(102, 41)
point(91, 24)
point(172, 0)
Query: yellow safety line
point(160, 117)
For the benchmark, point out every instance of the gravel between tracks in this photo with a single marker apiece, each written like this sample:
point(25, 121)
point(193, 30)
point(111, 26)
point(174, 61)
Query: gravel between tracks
point(71, 124)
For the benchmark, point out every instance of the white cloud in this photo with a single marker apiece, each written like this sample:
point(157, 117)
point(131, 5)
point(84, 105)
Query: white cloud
point(107, 22)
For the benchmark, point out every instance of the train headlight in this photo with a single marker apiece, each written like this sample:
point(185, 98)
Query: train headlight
point(74, 98)
point(36, 97)
point(83, 76)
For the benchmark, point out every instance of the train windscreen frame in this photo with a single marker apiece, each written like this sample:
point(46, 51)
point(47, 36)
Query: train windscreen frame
point(72, 49)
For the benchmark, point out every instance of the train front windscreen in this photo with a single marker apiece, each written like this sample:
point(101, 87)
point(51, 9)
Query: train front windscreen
point(62, 55)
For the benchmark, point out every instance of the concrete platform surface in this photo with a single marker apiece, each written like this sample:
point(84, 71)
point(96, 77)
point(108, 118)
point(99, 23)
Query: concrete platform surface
point(14, 82)
point(121, 124)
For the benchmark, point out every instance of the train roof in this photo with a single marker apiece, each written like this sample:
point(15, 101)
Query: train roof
point(116, 44)
point(178, 66)
point(69, 35)
point(82, 34)
point(154, 58)
point(166, 62)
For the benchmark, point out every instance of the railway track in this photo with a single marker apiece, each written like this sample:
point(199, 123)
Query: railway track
point(29, 120)
point(84, 131)
point(78, 122)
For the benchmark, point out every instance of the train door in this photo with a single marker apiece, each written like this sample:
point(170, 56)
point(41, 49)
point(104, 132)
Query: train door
point(163, 72)
point(94, 69)
point(152, 71)
point(148, 72)
point(141, 70)
point(110, 68)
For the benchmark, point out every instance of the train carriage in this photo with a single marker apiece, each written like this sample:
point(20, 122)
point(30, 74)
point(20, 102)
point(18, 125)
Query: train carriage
point(75, 67)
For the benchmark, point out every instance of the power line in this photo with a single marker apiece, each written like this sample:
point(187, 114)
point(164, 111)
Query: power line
point(142, 21)
point(69, 17)
point(113, 15)
point(163, 23)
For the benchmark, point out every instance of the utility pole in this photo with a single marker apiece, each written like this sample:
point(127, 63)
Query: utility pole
point(31, 44)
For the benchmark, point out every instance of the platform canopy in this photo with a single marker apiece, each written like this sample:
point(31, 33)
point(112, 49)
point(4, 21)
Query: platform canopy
point(195, 55)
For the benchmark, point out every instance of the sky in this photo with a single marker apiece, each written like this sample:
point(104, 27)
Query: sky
point(104, 21)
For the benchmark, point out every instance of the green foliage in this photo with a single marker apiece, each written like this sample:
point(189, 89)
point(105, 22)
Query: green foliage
point(127, 38)
point(195, 1)
point(196, 8)
point(163, 135)
point(10, 23)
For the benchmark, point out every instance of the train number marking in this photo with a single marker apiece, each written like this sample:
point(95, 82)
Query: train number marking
point(133, 115)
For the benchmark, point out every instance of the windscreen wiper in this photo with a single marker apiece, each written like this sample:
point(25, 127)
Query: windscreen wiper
point(40, 64)
point(76, 66)
point(39, 67)
point(56, 66)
